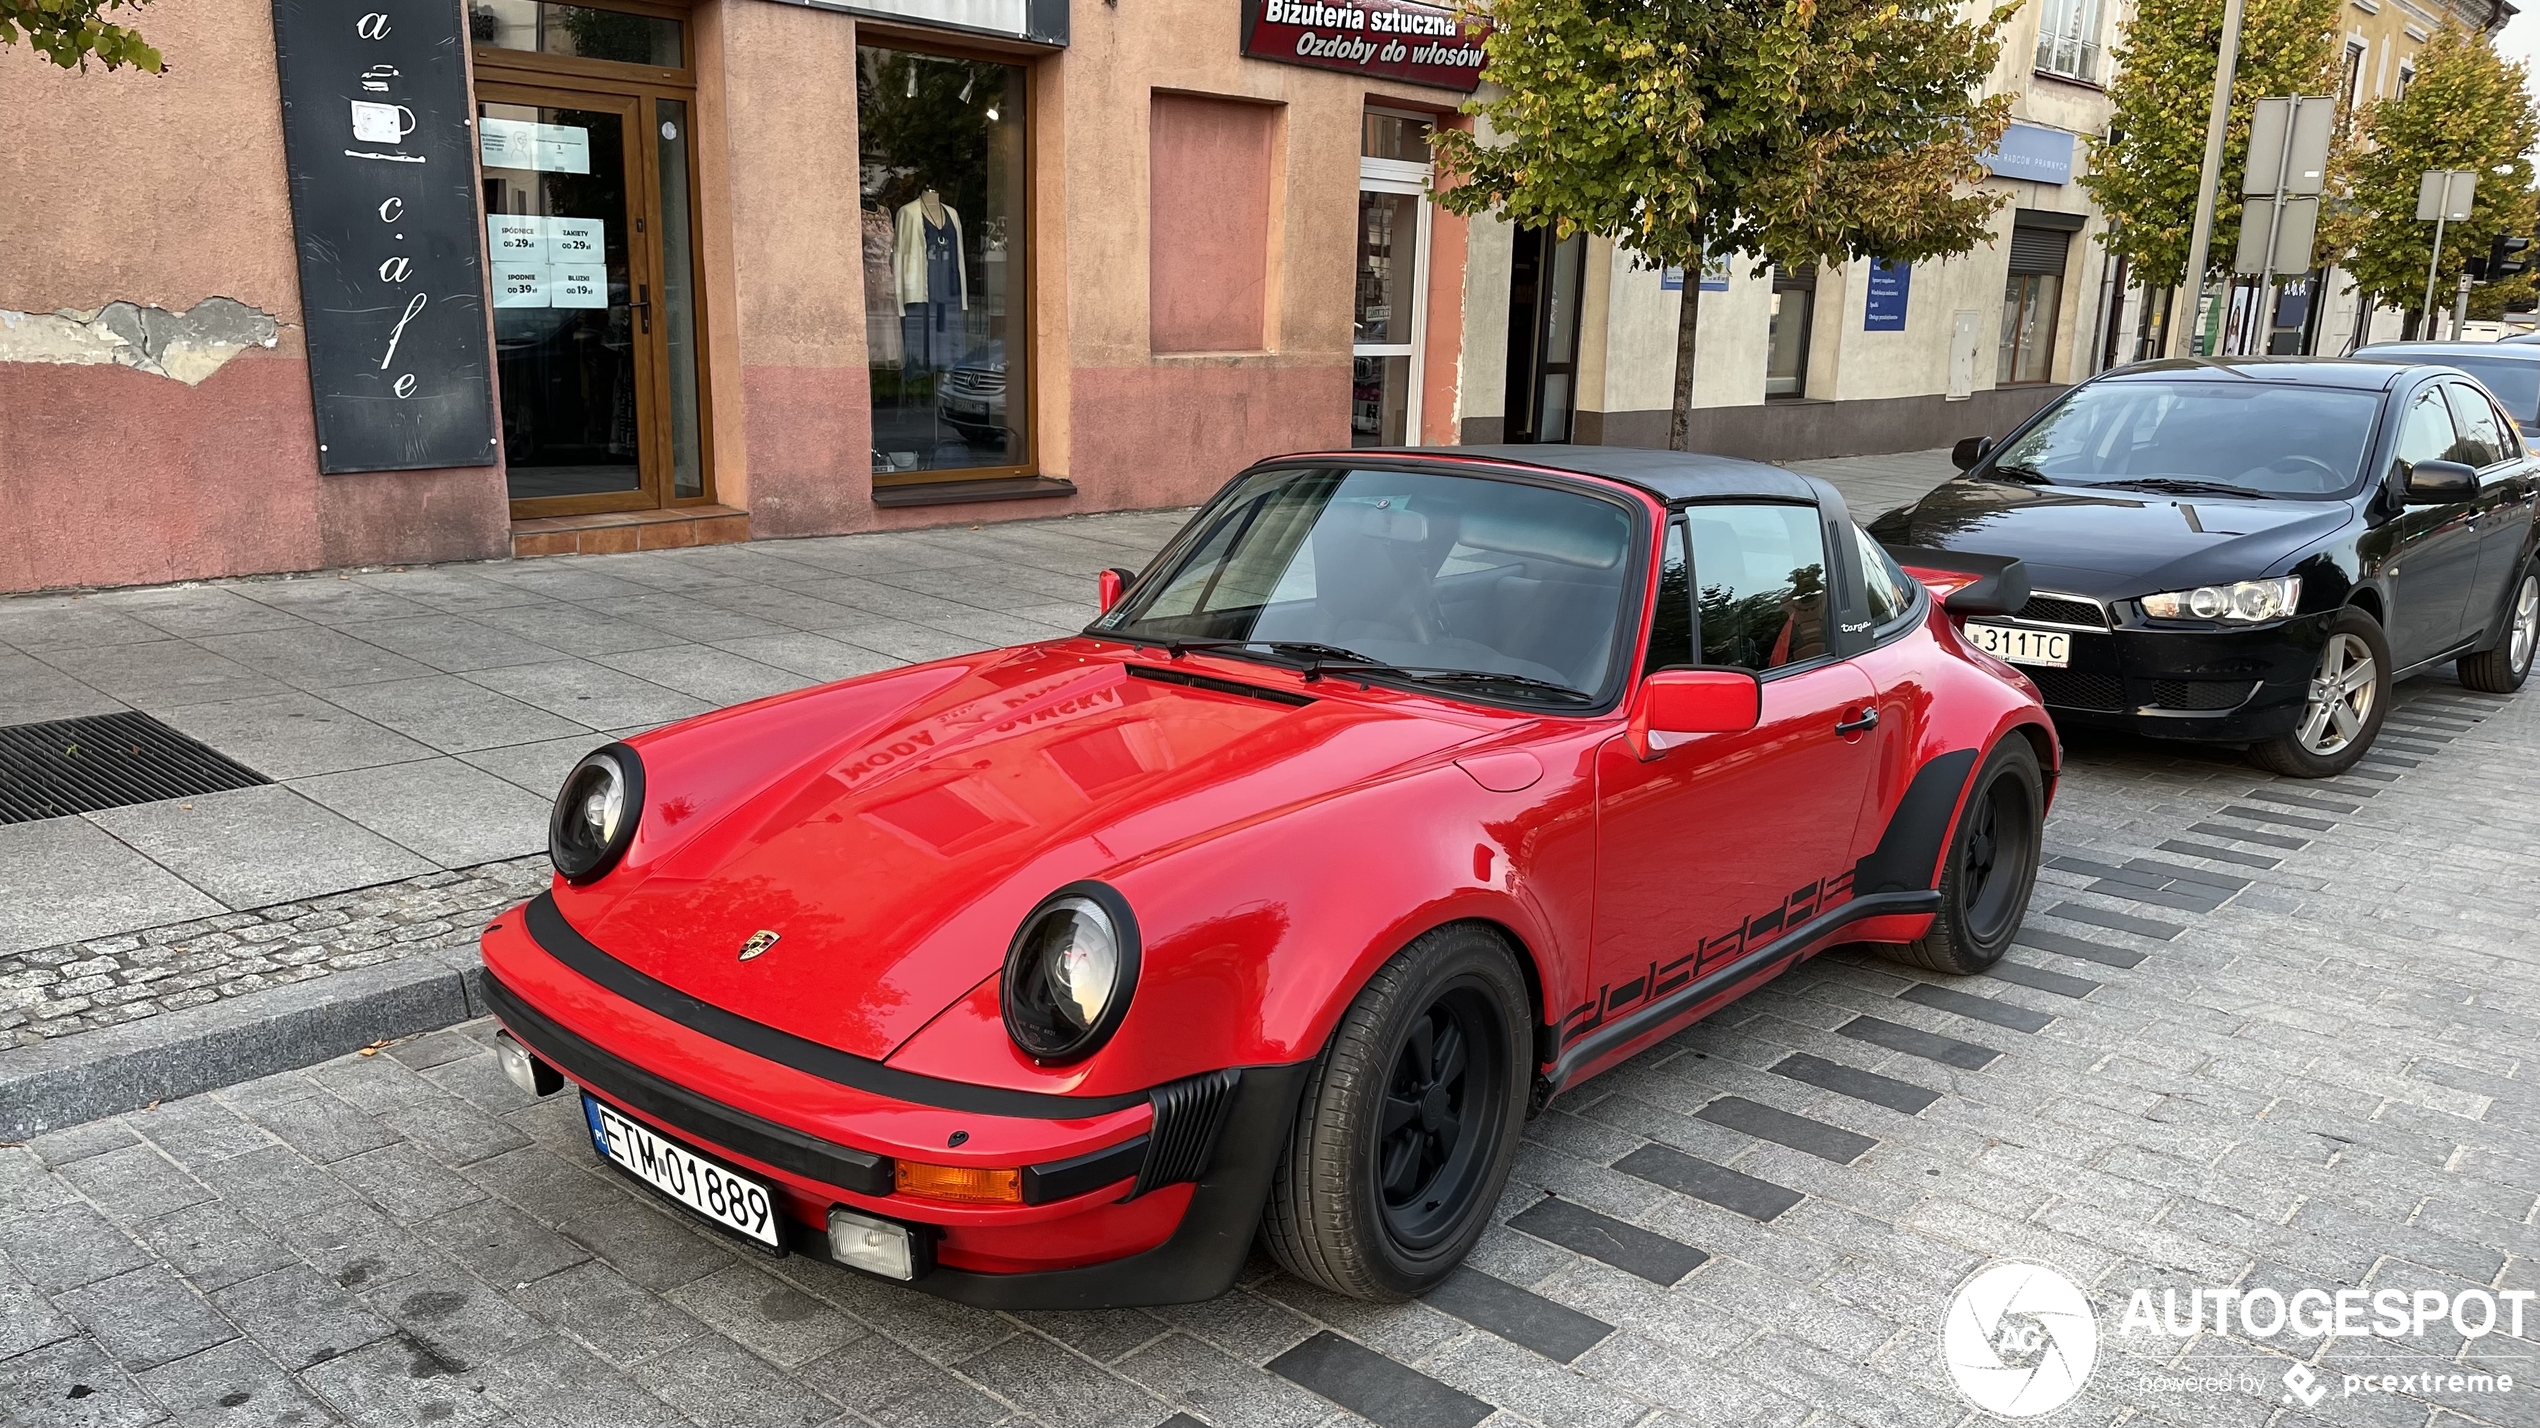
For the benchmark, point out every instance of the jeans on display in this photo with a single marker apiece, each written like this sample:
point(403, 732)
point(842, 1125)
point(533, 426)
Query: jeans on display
point(931, 336)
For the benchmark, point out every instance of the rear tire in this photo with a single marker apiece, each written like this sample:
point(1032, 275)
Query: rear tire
point(1991, 868)
point(2502, 668)
point(1397, 1157)
point(2342, 716)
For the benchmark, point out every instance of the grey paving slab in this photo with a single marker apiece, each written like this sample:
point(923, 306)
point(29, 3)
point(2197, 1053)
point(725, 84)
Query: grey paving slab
point(452, 813)
point(293, 735)
point(582, 628)
point(68, 622)
point(538, 768)
point(33, 692)
point(313, 657)
point(454, 715)
point(162, 674)
point(452, 644)
point(194, 611)
point(328, 598)
point(816, 657)
point(591, 695)
point(69, 880)
point(448, 587)
point(250, 847)
point(717, 676)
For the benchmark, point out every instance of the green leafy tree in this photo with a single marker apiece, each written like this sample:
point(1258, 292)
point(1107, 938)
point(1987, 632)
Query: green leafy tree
point(1795, 130)
point(2144, 177)
point(72, 32)
point(2467, 109)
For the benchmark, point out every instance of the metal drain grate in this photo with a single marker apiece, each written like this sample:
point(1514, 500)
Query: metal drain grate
point(72, 766)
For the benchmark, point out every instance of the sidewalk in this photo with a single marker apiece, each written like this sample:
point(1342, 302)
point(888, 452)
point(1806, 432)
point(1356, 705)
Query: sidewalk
point(414, 725)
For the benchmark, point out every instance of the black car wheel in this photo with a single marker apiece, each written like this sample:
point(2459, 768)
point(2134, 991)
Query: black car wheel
point(1409, 1121)
point(2349, 692)
point(2502, 667)
point(1991, 867)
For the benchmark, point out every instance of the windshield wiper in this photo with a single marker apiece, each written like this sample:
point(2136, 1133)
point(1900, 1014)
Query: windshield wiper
point(1439, 674)
point(2026, 475)
point(1313, 652)
point(2178, 486)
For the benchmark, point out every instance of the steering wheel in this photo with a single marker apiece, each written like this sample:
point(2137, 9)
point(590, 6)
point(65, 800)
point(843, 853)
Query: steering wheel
point(2294, 459)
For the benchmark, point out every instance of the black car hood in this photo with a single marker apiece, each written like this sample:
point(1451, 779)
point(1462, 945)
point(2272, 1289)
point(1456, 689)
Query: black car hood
point(2113, 544)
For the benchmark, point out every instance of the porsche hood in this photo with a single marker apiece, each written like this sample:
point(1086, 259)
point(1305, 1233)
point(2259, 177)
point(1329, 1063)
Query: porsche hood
point(882, 840)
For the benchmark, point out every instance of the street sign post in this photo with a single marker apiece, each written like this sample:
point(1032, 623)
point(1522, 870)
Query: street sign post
point(2443, 196)
point(2209, 178)
point(2288, 166)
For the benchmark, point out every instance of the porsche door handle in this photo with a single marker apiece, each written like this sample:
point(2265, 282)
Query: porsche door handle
point(1869, 720)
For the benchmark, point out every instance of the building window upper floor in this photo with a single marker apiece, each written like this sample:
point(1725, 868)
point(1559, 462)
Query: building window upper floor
point(2068, 39)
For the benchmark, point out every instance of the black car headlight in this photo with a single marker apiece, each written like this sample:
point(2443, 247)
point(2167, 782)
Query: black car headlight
point(595, 813)
point(1069, 973)
point(2243, 602)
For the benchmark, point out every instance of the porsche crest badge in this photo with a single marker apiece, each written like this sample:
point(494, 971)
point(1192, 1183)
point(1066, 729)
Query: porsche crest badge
point(759, 942)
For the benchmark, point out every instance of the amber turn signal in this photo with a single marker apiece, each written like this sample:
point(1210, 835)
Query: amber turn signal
point(969, 1184)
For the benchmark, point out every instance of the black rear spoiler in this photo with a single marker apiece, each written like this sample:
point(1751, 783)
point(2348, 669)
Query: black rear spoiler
point(2000, 586)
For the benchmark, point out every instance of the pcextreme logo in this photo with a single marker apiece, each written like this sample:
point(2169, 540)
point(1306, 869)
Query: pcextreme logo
point(2020, 1340)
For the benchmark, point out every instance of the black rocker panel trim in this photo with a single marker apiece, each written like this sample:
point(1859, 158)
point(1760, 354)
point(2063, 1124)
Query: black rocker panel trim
point(1066, 1179)
point(1907, 858)
point(551, 932)
point(1767, 959)
point(614, 1079)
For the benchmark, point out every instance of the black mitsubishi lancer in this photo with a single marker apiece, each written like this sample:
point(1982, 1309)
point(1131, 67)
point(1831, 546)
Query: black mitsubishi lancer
point(2252, 550)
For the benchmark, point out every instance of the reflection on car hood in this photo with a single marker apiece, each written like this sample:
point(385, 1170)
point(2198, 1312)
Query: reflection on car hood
point(895, 864)
point(2111, 544)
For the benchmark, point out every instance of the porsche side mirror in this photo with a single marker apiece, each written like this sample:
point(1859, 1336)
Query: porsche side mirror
point(1969, 451)
point(1110, 584)
point(2439, 483)
point(1693, 701)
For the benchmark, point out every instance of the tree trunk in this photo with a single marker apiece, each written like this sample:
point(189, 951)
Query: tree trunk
point(1688, 315)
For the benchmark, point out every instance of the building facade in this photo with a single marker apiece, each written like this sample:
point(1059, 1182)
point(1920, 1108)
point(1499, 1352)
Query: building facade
point(413, 280)
point(1837, 360)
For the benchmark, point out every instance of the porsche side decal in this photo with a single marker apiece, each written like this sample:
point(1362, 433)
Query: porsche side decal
point(1709, 954)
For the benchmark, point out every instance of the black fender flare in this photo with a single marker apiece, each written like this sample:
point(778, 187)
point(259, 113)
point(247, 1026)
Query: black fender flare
point(1907, 858)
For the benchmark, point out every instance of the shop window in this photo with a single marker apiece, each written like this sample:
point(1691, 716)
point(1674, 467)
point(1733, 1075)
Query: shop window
point(2068, 39)
point(2032, 296)
point(579, 31)
point(1786, 338)
point(945, 247)
point(1208, 223)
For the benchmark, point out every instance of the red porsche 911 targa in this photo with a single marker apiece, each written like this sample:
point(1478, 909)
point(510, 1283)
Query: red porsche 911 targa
point(1402, 791)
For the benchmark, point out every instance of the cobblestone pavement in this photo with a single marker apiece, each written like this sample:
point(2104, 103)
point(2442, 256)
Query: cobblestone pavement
point(2259, 1034)
point(102, 895)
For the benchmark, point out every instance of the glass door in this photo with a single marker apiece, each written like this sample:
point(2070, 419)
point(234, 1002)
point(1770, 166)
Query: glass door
point(1392, 267)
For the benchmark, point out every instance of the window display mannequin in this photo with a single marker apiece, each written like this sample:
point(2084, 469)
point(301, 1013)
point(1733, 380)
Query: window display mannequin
point(934, 285)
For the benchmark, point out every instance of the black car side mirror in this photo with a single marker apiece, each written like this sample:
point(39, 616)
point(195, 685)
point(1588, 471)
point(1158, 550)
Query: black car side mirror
point(2439, 483)
point(1970, 450)
point(2000, 586)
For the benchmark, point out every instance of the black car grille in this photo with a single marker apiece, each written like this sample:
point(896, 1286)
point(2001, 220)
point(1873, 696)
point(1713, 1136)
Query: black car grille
point(2062, 610)
point(2201, 693)
point(2076, 689)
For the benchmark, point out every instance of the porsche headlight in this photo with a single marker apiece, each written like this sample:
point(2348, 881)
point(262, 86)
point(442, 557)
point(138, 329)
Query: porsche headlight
point(2242, 602)
point(1069, 973)
point(595, 813)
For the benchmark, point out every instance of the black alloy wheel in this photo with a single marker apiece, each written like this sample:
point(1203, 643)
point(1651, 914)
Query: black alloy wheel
point(1446, 1089)
point(1409, 1121)
point(1990, 867)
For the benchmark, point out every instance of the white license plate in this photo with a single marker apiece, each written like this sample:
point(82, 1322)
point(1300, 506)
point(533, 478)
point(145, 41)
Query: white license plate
point(2047, 647)
point(734, 1201)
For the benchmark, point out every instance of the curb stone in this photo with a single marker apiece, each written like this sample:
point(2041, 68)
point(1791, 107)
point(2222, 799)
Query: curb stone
point(114, 1069)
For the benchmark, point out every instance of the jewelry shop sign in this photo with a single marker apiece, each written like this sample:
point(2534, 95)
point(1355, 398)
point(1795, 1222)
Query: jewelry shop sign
point(376, 133)
point(1395, 39)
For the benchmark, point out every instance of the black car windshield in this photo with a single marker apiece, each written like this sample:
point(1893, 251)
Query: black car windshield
point(1493, 589)
point(2208, 437)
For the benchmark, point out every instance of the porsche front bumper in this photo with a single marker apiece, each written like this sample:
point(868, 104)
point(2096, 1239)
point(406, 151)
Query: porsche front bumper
point(1160, 1208)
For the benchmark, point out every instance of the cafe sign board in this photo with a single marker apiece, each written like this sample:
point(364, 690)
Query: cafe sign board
point(1391, 39)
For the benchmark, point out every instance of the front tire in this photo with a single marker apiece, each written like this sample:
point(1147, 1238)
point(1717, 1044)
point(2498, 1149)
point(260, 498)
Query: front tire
point(2350, 691)
point(2502, 668)
point(1409, 1122)
point(1991, 868)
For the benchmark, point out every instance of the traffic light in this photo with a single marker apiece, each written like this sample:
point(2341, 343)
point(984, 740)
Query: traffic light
point(2507, 256)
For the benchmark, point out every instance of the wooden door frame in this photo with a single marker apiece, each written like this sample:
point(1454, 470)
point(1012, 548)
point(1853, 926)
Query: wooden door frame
point(572, 80)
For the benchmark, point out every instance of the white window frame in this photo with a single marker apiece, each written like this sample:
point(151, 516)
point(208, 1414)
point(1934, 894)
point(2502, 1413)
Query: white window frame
point(2069, 23)
point(1403, 176)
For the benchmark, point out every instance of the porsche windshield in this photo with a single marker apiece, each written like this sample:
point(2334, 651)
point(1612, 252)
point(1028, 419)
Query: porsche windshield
point(1491, 588)
point(2215, 438)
